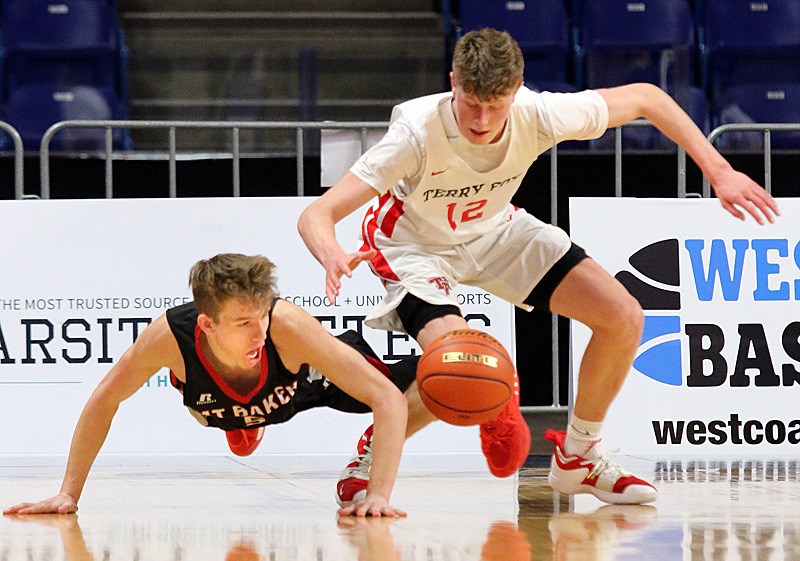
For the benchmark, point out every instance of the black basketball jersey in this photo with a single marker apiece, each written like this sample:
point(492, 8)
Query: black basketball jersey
point(206, 392)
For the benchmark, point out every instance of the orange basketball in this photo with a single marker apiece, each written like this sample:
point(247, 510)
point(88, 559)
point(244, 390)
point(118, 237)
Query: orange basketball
point(465, 377)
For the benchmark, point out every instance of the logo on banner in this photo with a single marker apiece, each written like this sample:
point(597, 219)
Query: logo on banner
point(719, 269)
point(657, 289)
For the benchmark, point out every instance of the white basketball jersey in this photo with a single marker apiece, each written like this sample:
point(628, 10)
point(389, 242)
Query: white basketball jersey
point(451, 203)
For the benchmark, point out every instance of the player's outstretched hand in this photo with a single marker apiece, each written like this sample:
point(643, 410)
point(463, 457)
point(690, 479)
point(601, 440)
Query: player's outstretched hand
point(737, 192)
point(374, 506)
point(344, 265)
point(60, 504)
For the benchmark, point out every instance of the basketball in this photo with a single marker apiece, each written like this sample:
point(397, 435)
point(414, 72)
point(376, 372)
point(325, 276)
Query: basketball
point(465, 377)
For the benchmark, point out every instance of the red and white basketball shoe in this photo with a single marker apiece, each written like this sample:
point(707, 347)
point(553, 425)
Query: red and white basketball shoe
point(506, 441)
point(354, 478)
point(594, 474)
point(244, 442)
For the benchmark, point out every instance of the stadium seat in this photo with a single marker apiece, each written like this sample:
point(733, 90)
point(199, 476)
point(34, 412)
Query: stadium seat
point(32, 109)
point(636, 41)
point(67, 43)
point(749, 42)
point(70, 57)
point(112, 3)
point(540, 27)
point(760, 103)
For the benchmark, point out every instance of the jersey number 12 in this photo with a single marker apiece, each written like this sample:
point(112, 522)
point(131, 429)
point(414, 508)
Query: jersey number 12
point(472, 211)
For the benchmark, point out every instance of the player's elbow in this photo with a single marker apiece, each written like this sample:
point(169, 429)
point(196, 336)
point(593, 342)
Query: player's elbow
point(304, 220)
point(102, 404)
point(648, 99)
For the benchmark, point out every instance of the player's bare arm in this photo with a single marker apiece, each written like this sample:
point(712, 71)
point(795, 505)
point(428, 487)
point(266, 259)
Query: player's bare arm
point(735, 190)
point(300, 338)
point(317, 228)
point(154, 349)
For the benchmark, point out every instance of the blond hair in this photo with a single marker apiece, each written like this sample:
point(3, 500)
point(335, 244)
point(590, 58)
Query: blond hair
point(487, 63)
point(246, 278)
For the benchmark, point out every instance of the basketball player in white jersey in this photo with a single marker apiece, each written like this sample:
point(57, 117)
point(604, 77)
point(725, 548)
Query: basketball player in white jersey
point(444, 175)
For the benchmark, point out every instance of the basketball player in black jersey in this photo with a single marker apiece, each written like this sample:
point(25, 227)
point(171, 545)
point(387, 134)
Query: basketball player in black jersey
point(243, 359)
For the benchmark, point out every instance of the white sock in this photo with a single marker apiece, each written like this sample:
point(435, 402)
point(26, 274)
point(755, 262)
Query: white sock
point(581, 436)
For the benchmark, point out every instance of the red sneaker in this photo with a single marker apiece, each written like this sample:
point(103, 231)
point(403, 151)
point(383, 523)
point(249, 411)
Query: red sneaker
point(354, 479)
point(596, 475)
point(506, 441)
point(244, 442)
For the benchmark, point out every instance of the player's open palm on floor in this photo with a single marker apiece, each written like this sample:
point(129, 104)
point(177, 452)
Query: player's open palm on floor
point(60, 504)
point(371, 506)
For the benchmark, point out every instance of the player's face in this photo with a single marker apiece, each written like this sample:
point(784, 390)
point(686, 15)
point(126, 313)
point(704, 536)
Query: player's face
point(481, 121)
point(238, 333)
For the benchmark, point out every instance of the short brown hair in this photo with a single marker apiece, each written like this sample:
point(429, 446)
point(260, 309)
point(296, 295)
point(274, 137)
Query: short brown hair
point(247, 278)
point(488, 63)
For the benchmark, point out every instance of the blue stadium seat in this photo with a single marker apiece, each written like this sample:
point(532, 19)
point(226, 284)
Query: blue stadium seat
point(760, 103)
point(636, 41)
point(32, 109)
point(4, 3)
point(66, 43)
point(541, 28)
point(748, 42)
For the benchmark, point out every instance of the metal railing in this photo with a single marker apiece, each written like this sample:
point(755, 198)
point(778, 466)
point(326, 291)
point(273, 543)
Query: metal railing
point(172, 127)
point(766, 129)
point(19, 180)
point(300, 127)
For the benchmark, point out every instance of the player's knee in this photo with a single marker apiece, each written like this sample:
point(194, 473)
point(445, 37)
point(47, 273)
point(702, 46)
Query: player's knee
point(628, 321)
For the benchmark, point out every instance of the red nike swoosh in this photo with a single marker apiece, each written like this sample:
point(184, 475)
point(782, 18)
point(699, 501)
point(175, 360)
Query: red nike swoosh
point(438, 172)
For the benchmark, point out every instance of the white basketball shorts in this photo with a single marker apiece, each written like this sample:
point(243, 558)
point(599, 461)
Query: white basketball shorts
point(508, 263)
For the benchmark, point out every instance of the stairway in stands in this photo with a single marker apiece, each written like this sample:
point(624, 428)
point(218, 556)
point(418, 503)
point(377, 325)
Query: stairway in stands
point(276, 60)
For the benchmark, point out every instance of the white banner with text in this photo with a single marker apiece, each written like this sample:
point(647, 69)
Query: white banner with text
point(717, 372)
point(82, 278)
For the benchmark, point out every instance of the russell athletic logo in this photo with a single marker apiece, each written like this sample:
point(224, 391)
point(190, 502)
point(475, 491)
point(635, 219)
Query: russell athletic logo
point(685, 341)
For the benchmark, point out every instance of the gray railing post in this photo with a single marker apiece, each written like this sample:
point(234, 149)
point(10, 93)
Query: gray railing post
point(237, 186)
point(19, 162)
point(554, 317)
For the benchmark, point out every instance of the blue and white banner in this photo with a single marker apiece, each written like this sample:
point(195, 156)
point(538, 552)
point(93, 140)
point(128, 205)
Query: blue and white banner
point(81, 279)
point(717, 373)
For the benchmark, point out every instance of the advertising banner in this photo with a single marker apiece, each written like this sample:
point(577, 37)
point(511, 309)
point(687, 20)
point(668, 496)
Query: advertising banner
point(717, 372)
point(80, 279)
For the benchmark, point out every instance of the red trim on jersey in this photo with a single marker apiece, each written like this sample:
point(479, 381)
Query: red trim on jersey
point(368, 228)
point(392, 216)
point(220, 381)
point(176, 383)
point(382, 367)
point(367, 245)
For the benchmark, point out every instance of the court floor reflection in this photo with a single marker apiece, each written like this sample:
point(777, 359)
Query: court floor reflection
point(720, 510)
point(228, 511)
